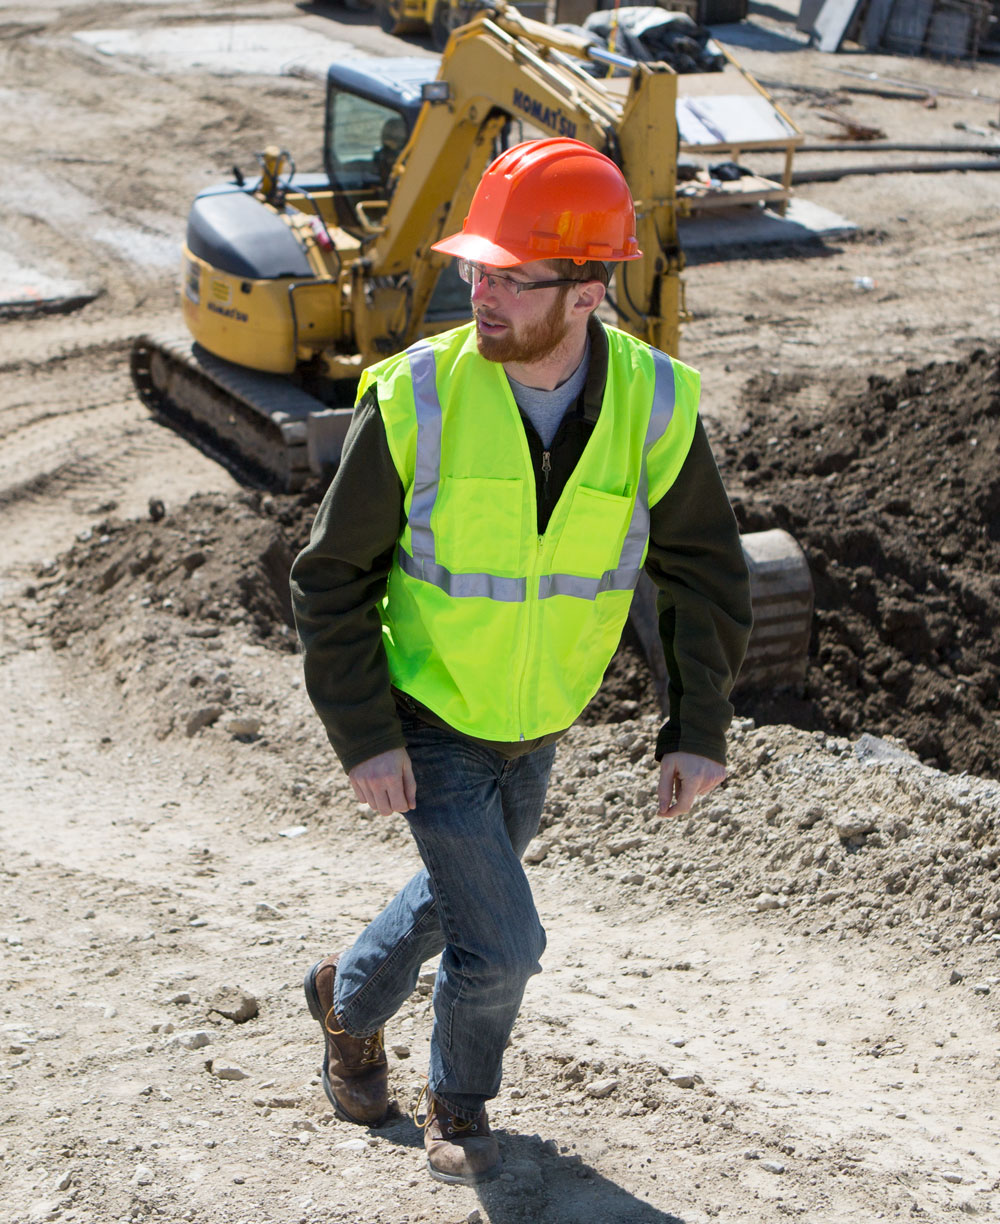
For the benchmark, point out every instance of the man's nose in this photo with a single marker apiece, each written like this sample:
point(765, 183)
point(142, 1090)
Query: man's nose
point(481, 290)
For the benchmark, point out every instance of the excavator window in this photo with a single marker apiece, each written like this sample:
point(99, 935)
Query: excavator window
point(364, 139)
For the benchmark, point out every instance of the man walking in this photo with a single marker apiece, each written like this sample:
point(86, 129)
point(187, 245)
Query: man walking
point(467, 580)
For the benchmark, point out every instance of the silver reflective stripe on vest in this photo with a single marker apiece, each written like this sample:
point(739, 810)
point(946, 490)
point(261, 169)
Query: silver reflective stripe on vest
point(625, 575)
point(428, 465)
point(423, 565)
point(464, 586)
point(585, 588)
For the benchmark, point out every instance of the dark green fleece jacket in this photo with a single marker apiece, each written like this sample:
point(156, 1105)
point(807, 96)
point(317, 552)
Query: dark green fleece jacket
point(695, 559)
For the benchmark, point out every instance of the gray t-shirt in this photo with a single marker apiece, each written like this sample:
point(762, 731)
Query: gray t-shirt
point(546, 409)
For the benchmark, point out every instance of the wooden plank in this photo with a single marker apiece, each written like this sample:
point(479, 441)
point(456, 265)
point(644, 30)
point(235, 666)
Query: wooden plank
point(808, 12)
point(949, 34)
point(700, 195)
point(904, 35)
point(832, 22)
point(876, 19)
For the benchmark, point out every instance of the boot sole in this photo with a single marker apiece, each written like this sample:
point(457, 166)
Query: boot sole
point(318, 1014)
point(453, 1179)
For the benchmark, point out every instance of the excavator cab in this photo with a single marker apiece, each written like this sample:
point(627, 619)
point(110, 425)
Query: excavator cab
point(262, 263)
point(370, 113)
point(371, 109)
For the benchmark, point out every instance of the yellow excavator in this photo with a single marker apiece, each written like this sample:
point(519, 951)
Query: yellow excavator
point(438, 18)
point(312, 280)
point(291, 287)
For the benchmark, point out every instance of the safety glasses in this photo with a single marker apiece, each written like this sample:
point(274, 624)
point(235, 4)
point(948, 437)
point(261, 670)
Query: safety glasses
point(473, 273)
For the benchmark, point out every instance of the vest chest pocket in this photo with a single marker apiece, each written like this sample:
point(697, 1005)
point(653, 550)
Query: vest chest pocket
point(477, 523)
point(592, 536)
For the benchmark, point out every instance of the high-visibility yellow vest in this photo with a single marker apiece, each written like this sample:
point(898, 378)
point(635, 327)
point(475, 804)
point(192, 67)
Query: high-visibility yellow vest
point(502, 632)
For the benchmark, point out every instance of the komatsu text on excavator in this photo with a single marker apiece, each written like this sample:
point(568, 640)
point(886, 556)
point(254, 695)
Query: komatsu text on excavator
point(291, 287)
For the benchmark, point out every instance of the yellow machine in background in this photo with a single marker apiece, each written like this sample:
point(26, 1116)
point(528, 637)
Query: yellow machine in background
point(439, 18)
point(314, 280)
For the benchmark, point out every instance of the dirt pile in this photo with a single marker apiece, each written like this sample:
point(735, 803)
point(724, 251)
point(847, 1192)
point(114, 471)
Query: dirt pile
point(214, 560)
point(841, 836)
point(895, 497)
point(164, 604)
point(837, 835)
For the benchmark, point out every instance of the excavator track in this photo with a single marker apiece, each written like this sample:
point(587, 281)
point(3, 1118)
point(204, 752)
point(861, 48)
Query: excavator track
point(267, 430)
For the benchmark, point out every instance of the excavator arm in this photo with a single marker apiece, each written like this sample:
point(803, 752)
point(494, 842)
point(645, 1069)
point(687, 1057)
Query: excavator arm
point(505, 68)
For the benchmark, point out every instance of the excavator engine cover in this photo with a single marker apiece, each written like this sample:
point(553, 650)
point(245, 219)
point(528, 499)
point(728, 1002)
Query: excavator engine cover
point(240, 260)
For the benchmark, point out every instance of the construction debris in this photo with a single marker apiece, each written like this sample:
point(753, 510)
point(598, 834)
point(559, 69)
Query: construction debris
point(944, 29)
point(852, 129)
point(966, 95)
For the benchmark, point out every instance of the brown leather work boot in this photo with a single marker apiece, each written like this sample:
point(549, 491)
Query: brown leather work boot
point(458, 1151)
point(355, 1072)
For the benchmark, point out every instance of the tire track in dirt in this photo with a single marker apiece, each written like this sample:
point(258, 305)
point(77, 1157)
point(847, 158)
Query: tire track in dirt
point(77, 442)
point(55, 405)
point(62, 471)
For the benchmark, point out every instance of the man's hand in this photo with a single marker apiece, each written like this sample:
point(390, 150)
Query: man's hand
point(385, 782)
point(683, 777)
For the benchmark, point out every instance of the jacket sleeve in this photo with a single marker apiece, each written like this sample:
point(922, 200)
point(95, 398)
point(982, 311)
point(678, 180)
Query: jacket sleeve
point(695, 558)
point(337, 582)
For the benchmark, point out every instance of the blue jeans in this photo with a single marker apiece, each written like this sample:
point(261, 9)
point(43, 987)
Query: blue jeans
point(475, 814)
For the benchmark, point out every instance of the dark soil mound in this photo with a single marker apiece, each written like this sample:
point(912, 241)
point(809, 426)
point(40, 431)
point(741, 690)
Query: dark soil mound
point(215, 560)
point(895, 497)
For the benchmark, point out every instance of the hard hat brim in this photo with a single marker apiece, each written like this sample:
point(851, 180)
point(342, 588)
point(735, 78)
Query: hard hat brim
point(480, 250)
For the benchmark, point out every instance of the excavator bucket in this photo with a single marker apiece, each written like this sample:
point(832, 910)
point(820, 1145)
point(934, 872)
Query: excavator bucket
point(781, 592)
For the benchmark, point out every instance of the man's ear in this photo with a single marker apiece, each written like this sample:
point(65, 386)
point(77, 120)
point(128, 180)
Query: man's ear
point(586, 299)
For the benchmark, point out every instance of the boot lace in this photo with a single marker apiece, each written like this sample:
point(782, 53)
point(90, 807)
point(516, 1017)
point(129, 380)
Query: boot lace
point(374, 1044)
point(454, 1125)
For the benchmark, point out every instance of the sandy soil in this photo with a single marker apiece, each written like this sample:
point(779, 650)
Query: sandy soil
point(784, 1006)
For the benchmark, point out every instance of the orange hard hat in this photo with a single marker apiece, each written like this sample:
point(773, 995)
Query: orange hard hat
point(548, 199)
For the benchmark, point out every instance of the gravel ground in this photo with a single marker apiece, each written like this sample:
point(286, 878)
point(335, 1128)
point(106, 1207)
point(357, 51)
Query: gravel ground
point(782, 1006)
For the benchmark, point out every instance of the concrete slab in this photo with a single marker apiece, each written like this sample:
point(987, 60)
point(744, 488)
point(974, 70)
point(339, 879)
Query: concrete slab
point(25, 289)
point(148, 239)
point(265, 48)
point(709, 237)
